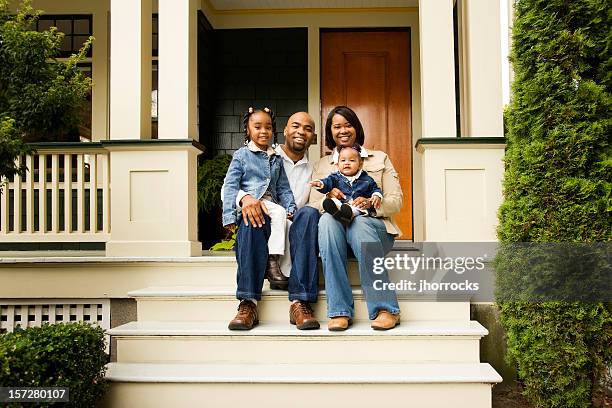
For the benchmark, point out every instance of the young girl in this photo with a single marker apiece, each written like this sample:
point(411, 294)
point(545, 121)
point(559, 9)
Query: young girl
point(259, 172)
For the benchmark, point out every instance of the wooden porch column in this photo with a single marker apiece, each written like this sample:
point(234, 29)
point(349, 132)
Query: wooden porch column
point(130, 69)
point(177, 118)
point(483, 70)
point(437, 68)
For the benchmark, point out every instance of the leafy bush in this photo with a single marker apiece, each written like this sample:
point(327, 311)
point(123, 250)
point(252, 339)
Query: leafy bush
point(226, 244)
point(41, 98)
point(557, 188)
point(211, 174)
point(59, 355)
point(11, 146)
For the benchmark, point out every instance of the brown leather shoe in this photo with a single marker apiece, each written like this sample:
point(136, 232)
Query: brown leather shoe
point(385, 321)
point(274, 275)
point(339, 323)
point(302, 315)
point(246, 318)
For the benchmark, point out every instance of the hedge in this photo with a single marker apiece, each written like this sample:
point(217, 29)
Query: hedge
point(60, 355)
point(557, 188)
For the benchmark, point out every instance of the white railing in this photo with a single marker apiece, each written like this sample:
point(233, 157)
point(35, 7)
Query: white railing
point(63, 197)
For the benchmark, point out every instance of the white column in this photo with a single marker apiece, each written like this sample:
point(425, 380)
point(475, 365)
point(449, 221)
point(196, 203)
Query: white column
point(130, 69)
point(483, 69)
point(177, 93)
point(437, 68)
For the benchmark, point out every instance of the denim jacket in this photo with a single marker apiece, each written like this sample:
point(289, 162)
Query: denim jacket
point(255, 172)
point(363, 185)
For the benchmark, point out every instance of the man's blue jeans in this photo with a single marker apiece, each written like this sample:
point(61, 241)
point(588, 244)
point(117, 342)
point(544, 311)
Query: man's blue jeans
point(334, 239)
point(304, 277)
point(252, 257)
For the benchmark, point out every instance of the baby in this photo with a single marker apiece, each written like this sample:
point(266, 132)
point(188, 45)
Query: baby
point(352, 181)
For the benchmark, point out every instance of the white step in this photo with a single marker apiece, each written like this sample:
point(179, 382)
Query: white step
point(206, 341)
point(185, 303)
point(432, 385)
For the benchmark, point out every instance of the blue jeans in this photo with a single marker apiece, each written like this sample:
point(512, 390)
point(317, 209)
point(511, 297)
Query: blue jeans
point(252, 257)
point(334, 240)
point(304, 277)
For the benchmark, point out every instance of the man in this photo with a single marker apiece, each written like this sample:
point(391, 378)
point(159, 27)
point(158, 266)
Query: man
point(303, 279)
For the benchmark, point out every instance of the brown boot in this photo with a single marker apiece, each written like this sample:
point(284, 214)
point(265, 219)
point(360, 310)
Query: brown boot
point(339, 323)
point(302, 315)
point(246, 318)
point(274, 275)
point(385, 321)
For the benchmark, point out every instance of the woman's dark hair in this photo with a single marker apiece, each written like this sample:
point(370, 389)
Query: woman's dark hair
point(348, 114)
point(245, 122)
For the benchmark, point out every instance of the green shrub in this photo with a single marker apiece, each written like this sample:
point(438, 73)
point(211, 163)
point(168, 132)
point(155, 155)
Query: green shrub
point(557, 188)
point(211, 174)
point(59, 355)
point(41, 98)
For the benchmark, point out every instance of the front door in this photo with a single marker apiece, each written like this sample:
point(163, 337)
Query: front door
point(369, 71)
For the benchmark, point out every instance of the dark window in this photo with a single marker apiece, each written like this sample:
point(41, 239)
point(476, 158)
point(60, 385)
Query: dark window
point(76, 28)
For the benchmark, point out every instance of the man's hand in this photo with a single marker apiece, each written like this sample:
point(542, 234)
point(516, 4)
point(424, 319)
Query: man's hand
point(336, 193)
point(362, 203)
point(376, 201)
point(253, 211)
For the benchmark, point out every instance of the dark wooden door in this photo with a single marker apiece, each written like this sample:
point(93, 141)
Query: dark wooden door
point(369, 71)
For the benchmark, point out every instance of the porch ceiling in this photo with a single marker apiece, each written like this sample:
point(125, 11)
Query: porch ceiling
point(307, 4)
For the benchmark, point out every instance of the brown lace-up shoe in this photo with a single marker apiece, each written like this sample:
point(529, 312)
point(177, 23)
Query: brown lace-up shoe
point(385, 321)
point(246, 318)
point(302, 315)
point(274, 275)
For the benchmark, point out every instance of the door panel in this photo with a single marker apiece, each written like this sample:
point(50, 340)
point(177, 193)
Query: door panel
point(370, 73)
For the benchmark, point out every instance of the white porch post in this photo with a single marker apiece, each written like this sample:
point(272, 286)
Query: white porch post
point(437, 68)
point(153, 182)
point(462, 175)
point(177, 104)
point(483, 70)
point(130, 69)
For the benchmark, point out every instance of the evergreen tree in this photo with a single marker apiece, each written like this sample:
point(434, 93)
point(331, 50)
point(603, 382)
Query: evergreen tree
point(41, 98)
point(557, 188)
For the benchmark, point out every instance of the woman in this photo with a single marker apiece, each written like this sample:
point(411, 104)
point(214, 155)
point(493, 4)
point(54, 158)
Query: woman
point(368, 237)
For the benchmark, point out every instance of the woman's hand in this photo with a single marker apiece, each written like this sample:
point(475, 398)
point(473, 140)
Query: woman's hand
point(362, 203)
point(336, 193)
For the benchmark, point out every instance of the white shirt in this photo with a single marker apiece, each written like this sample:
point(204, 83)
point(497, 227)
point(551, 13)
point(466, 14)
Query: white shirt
point(299, 174)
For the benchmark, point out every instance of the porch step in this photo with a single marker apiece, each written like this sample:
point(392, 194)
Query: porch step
point(212, 342)
point(191, 303)
point(431, 385)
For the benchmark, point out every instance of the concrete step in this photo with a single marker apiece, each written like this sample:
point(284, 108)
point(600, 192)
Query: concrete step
point(431, 385)
point(185, 303)
point(208, 342)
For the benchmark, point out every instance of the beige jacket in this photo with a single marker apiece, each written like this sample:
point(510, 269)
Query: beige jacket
point(379, 167)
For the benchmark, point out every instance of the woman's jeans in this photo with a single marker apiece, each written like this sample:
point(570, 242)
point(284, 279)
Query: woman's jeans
point(368, 238)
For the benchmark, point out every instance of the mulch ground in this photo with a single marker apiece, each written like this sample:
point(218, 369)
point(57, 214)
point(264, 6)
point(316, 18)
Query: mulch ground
point(509, 396)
